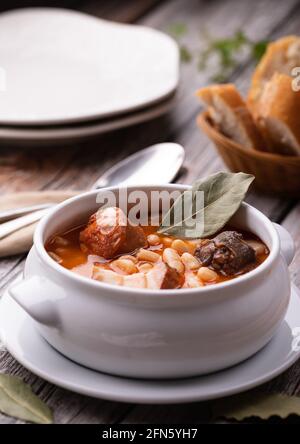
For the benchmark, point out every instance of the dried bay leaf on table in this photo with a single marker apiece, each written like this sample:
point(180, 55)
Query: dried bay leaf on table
point(253, 404)
point(223, 195)
point(18, 400)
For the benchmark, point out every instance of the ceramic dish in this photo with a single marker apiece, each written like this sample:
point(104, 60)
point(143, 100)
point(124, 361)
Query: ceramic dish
point(50, 76)
point(153, 333)
point(18, 332)
point(67, 134)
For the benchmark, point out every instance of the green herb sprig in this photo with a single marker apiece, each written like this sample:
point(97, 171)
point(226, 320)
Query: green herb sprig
point(177, 31)
point(226, 51)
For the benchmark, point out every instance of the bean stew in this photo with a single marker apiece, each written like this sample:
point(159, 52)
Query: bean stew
point(137, 256)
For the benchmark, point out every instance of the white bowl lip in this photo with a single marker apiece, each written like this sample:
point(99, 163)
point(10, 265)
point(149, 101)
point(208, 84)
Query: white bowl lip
point(147, 293)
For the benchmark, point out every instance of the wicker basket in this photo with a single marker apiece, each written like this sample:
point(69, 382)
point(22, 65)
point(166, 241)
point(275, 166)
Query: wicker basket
point(273, 173)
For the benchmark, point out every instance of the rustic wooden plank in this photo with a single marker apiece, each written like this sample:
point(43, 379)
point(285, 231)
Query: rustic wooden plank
point(192, 413)
point(127, 11)
point(13, 4)
point(291, 223)
point(66, 405)
point(78, 167)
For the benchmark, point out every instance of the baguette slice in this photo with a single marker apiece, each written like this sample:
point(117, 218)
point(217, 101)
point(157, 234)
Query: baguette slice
point(229, 112)
point(278, 113)
point(281, 56)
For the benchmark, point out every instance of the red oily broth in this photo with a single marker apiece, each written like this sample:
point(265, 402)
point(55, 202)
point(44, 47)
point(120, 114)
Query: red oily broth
point(66, 250)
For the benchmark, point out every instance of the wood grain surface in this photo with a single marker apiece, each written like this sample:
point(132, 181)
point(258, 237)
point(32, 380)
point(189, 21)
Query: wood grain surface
point(77, 167)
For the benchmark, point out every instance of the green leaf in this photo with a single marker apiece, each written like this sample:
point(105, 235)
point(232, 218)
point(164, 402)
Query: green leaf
point(185, 54)
point(203, 59)
point(240, 39)
point(18, 400)
point(258, 49)
point(177, 30)
point(228, 51)
point(261, 405)
point(220, 77)
point(223, 194)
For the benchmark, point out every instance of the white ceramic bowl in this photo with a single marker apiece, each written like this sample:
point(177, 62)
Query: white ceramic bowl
point(155, 334)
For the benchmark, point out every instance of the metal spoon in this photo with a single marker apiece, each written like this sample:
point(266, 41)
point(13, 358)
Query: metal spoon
point(159, 164)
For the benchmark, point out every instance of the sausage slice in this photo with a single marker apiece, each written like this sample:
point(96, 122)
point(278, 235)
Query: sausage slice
point(163, 277)
point(109, 233)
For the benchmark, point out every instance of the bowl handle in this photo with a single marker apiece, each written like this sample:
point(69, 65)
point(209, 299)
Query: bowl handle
point(31, 296)
point(287, 245)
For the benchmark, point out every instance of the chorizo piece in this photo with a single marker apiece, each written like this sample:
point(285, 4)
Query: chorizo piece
point(109, 233)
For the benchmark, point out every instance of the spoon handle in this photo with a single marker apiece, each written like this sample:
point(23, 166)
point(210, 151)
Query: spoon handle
point(10, 227)
point(7, 215)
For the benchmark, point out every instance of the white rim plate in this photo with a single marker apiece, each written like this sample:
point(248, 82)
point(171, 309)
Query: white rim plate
point(19, 335)
point(60, 66)
point(71, 134)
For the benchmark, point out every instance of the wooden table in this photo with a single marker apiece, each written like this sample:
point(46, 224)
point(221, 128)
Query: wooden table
point(77, 167)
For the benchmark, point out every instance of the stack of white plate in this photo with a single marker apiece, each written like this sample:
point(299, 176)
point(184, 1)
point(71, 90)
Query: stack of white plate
point(65, 76)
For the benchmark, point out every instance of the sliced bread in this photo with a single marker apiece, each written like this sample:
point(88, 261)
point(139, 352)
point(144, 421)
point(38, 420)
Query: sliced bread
point(277, 115)
point(281, 56)
point(230, 115)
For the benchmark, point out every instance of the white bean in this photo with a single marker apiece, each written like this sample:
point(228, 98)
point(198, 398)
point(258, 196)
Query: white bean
point(147, 255)
point(172, 258)
point(207, 275)
point(167, 241)
point(180, 246)
point(144, 267)
point(125, 265)
point(153, 239)
point(129, 258)
point(190, 262)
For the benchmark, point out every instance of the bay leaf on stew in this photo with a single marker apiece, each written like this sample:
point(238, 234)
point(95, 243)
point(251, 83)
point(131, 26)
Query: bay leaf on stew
point(223, 193)
point(18, 400)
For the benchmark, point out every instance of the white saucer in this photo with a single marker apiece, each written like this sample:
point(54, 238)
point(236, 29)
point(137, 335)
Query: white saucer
point(64, 134)
point(59, 66)
point(31, 350)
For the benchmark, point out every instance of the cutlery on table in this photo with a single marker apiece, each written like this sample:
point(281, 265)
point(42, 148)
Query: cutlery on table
point(14, 213)
point(159, 164)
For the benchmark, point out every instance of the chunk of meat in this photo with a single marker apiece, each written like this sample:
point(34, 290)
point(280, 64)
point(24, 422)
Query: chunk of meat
point(109, 233)
point(227, 253)
point(162, 276)
point(159, 277)
point(257, 246)
point(135, 238)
